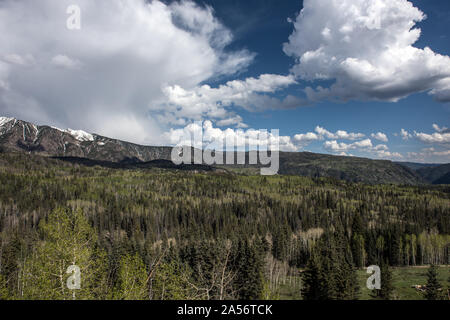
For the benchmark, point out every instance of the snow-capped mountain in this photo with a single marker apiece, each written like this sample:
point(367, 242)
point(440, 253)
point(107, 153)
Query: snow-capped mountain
point(22, 136)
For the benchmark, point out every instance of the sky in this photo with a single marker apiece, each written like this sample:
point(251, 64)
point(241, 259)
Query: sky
point(366, 78)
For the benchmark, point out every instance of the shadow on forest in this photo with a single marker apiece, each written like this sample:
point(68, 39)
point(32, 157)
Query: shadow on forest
point(137, 164)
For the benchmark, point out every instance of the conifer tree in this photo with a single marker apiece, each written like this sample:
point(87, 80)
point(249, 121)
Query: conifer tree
point(329, 274)
point(312, 279)
point(433, 289)
point(249, 280)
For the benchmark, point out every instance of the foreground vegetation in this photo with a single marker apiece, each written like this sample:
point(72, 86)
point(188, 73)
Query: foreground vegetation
point(167, 234)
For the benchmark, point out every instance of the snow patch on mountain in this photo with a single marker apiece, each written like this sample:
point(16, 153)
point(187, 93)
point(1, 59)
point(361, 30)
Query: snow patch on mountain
point(80, 135)
point(57, 129)
point(5, 120)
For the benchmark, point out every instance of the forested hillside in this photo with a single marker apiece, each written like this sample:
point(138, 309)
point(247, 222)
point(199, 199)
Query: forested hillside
point(436, 174)
point(152, 233)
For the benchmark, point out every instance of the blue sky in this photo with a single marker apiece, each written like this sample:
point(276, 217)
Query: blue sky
point(145, 71)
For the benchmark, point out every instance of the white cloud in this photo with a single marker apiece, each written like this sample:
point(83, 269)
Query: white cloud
point(367, 143)
point(379, 151)
point(430, 155)
point(304, 139)
point(211, 137)
point(64, 61)
point(381, 147)
point(366, 46)
point(380, 136)
point(335, 146)
point(384, 154)
point(310, 136)
point(340, 134)
point(111, 71)
point(439, 151)
point(439, 129)
point(16, 59)
point(233, 121)
point(405, 134)
point(324, 132)
point(433, 138)
point(205, 101)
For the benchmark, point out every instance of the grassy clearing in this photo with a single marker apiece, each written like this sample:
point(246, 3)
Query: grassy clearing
point(403, 279)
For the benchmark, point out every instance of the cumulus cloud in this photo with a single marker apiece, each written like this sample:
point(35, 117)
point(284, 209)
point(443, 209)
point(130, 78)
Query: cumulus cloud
point(385, 154)
point(286, 143)
point(304, 139)
point(439, 129)
point(439, 145)
point(106, 77)
point(340, 134)
point(204, 100)
point(233, 121)
point(379, 151)
point(335, 146)
point(324, 132)
point(405, 134)
point(204, 135)
point(429, 155)
point(213, 137)
point(440, 138)
point(380, 136)
point(366, 47)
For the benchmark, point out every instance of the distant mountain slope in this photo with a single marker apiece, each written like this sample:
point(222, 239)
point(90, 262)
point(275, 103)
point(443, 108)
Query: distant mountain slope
point(346, 168)
point(25, 137)
point(415, 166)
point(436, 174)
point(445, 179)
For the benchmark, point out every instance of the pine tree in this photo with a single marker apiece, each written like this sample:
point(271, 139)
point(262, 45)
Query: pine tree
point(358, 252)
point(249, 280)
point(330, 274)
point(280, 243)
point(433, 287)
point(312, 279)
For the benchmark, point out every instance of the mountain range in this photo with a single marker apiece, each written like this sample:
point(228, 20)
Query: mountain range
point(92, 149)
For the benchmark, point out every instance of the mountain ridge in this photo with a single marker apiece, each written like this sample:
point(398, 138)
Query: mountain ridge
point(21, 136)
